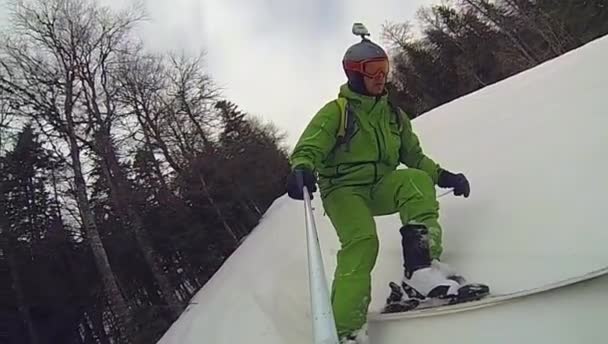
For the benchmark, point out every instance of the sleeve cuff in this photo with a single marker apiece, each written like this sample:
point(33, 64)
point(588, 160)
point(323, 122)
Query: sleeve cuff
point(302, 163)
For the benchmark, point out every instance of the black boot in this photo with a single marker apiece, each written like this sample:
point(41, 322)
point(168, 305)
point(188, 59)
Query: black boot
point(433, 283)
point(416, 256)
point(415, 245)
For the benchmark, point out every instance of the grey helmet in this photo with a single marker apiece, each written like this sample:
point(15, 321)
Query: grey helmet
point(366, 49)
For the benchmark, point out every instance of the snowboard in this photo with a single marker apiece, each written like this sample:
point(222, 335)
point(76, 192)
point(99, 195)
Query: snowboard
point(416, 308)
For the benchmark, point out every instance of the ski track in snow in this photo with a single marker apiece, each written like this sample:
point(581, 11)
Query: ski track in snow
point(534, 147)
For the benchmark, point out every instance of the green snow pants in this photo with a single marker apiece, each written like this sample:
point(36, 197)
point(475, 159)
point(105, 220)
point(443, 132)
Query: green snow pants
point(410, 192)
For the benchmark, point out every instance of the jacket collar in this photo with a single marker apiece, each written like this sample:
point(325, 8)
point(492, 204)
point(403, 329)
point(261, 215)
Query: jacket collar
point(363, 102)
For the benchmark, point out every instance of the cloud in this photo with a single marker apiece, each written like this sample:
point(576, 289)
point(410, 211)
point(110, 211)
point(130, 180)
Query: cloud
point(276, 59)
point(3, 12)
point(283, 62)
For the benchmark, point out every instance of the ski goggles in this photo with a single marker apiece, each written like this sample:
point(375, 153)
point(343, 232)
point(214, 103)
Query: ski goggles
point(370, 67)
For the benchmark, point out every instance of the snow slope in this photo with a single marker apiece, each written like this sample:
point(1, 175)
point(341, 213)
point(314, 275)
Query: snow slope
point(535, 148)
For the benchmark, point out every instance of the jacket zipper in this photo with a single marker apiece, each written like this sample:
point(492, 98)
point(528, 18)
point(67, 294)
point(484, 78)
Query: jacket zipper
point(378, 141)
point(378, 144)
point(379, 155)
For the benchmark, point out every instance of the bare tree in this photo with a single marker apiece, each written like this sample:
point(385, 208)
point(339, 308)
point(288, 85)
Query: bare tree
point(488, 10)
point(174, 104)
point(397, 35)
point(98, 59)
point(536, 20)
point(193, 94)
point(142, 87)
point(41, 66)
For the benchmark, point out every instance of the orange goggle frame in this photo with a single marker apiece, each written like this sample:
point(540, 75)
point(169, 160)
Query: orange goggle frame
point(370, 67)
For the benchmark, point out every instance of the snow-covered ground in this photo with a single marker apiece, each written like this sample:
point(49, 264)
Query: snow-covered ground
point(535, 148)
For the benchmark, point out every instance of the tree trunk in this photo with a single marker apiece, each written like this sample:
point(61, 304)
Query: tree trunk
point(145, 119)
point(217, 209)
point(157, 170)
point(115, 298)
point(148, 126)
point(98, 324)
point(56, 196)
point(541, 23)
point(192, 117)
point(256, 207)
point(7, 242)
point(515, 40)
point(164, 189)
point(18, 289)
point(251, 215)
point(87, 329)
point(126, 202)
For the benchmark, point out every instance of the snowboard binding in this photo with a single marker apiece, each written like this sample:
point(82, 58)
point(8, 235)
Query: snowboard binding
point(404, 298)
point(396, 302)
point(427, 282)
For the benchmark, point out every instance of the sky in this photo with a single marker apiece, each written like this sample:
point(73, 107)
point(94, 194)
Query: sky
point(279, 60)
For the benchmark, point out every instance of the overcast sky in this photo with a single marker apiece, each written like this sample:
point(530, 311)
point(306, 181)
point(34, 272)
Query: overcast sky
point(276, 59)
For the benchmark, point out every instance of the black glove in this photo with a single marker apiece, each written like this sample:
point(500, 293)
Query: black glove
point(297, 179)
point(458, 181)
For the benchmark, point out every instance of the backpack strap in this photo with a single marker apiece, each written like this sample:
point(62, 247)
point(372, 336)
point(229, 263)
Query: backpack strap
point(347, 122)
point(341, 102)
point(397, 111)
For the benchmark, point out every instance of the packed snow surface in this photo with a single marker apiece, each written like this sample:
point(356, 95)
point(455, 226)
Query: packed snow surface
point(535, 148)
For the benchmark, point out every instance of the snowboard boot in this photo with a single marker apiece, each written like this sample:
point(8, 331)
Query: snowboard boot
point(426, 282)
point(431, 279)
point(423, 279)
point(358, 337)
point(349, 340)
point(449, 272)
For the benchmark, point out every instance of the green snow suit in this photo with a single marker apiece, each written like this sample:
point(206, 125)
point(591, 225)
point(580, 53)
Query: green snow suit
point(359, 180)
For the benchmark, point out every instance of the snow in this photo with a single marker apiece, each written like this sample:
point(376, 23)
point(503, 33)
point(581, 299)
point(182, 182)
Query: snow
point(534, 147)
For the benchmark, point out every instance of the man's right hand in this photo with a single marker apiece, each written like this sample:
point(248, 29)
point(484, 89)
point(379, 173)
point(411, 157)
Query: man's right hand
point(297, 179)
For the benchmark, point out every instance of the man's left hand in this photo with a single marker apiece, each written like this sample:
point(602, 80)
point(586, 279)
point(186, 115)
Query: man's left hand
point(458, 182)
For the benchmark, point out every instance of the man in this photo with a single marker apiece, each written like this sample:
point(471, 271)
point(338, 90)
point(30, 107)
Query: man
point(354, 145)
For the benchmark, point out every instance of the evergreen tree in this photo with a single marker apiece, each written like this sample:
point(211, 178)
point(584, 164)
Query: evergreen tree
point(475, 43)
point(36, 242)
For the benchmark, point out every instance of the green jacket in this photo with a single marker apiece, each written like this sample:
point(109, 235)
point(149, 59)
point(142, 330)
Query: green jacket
point(376, 147)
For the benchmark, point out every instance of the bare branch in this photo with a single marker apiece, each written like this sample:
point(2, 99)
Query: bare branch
point(397, 35)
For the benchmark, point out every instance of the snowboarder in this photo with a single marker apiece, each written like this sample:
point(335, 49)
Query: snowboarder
point(352, 148)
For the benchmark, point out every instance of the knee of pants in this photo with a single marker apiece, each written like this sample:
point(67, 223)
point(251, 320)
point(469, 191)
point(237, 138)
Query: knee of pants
point(413, 177)
point(358, 256)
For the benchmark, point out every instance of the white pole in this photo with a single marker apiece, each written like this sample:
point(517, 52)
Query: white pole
point(324, 326)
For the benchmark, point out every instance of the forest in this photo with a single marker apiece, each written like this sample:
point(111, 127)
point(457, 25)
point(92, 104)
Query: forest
point(466, 45)
point(127, 178)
